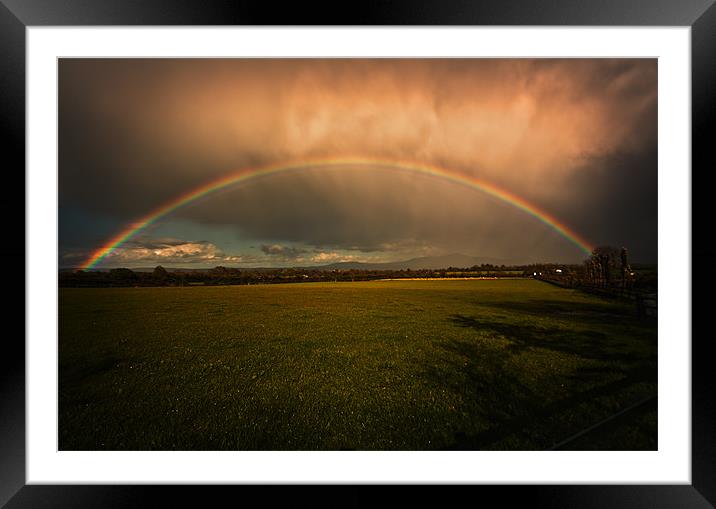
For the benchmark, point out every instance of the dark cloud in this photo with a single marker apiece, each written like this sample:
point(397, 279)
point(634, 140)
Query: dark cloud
point(375, 211)
point(621, 204)
point(285, 252)
point(569, 135)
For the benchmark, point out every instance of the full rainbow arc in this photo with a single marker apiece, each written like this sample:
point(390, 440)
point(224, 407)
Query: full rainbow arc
point(246, 174)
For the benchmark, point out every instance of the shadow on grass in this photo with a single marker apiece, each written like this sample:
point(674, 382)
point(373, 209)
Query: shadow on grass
point(592, 311)
point(519, 416)
point(587, 344)
point(596, 312)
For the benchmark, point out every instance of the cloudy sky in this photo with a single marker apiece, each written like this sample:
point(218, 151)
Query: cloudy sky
point(574, 138)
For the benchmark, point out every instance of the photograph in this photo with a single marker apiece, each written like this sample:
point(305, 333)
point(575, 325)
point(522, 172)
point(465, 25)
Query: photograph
point(344, 254)
point(433, 243)
point(453, 243)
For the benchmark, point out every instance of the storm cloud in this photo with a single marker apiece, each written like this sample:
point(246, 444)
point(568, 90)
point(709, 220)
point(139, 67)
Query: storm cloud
point(284, 252)
point(575, 137)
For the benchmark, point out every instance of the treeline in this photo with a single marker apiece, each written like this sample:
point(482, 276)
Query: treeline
point(603, 273)
point(232, 276)
point(607, 271)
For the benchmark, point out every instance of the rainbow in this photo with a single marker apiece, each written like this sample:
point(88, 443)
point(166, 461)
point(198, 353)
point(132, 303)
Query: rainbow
point(247, 174)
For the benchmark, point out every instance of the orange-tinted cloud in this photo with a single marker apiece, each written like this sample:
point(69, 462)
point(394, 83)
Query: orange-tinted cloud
point(136, 133)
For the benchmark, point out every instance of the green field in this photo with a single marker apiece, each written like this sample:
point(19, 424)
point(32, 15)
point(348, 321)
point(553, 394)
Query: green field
point(472, 364)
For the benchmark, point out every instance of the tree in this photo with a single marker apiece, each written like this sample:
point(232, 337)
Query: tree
point(160, 273)
point(605, 265)
point(122, 276)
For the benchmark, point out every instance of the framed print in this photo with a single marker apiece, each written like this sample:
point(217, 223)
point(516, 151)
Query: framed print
point(415, 250)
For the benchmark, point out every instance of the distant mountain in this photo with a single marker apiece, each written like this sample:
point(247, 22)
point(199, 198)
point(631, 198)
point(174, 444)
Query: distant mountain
point(425, 262)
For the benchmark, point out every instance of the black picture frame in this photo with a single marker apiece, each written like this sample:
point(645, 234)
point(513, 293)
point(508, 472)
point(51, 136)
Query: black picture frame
point(700, 15)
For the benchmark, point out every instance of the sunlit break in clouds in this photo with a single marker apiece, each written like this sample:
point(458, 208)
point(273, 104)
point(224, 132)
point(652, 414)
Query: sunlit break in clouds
point(175, 162)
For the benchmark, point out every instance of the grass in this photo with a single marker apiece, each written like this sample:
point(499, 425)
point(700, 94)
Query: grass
point(472, 364)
